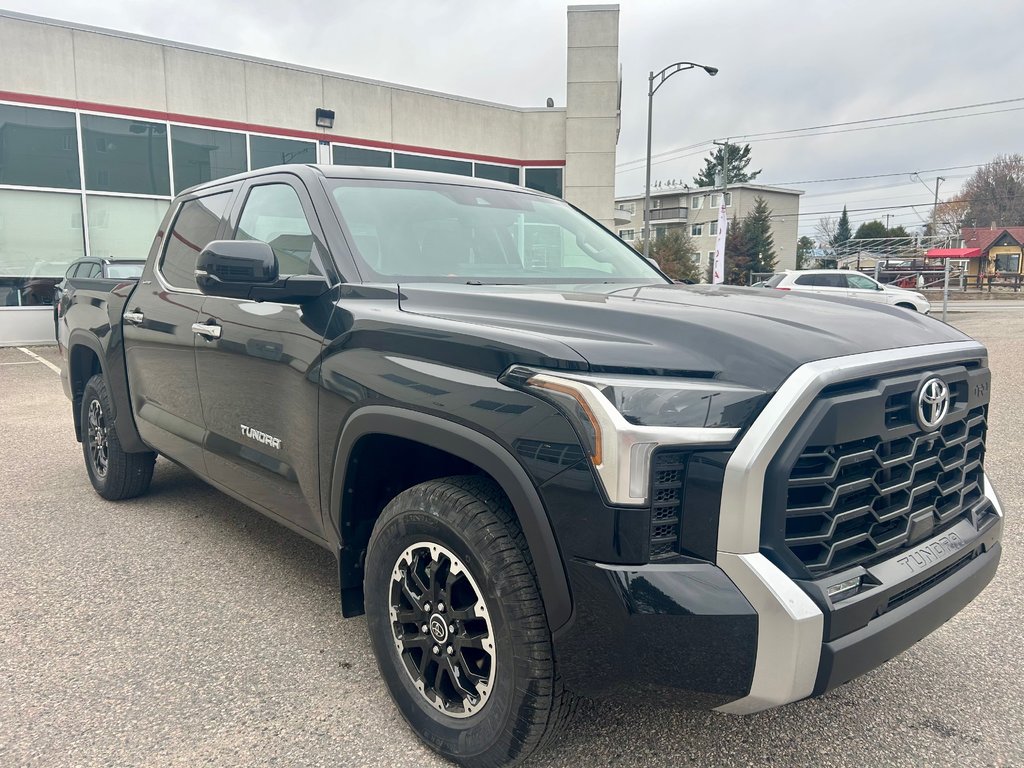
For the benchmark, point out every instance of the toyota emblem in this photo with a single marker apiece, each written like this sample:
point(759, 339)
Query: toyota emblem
point(932, 403)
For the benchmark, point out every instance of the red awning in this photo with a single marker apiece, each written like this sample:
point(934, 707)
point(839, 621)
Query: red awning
point(953, 253)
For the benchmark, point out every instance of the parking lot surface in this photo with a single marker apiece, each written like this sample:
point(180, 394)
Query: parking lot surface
point(183, 629)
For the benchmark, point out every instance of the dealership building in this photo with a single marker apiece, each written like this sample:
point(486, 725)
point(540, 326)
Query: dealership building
point(99, 129)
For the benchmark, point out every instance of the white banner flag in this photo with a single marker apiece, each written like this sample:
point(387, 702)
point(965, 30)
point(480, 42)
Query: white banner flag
point(719, 271)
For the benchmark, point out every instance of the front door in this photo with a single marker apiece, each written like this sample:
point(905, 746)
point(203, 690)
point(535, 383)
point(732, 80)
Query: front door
point(258, 372)
point(159, 339)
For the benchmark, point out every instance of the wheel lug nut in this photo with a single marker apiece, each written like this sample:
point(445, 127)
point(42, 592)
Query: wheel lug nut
point(451, 627)
point(426, 606)
point(450, 650)
point(436, 650)
point(440, 607)
point(423, 629)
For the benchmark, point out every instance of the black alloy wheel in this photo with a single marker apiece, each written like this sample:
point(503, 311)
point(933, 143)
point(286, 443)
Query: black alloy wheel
point(96, 434)
point(442, 630)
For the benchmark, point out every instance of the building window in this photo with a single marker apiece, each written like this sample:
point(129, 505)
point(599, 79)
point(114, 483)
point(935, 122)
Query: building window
point(711, 257)
point(40, 235)
point(369, 158)
point(629, 235)
point(713, 228)
point(38, 148)
point(265, 151)
point(123, 227)
point(658, 232)
point(194, 227)
point(713, 201)
point(125, 156)
point(200, 155)
point(631, 207)
point(696, 230)
point(545, 180)
point(437, 164)
point(655, 203)
point(696, 202)
point(1008, 262)
point(506, 173)
point(728, 199)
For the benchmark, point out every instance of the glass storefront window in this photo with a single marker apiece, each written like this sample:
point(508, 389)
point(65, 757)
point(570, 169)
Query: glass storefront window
point(265, 151)
point(38, 147)
point(373, 158)
point(496, 172)
point(40, 235)
point(438, 164)
point(125, 155)
point(545, 180)
point(202, 155)
point(123, 227)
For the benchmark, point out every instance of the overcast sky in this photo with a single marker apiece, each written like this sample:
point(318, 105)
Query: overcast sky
point(784, 64)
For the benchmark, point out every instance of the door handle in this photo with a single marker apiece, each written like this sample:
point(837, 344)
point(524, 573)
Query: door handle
point(211, 331)
point(135, 318)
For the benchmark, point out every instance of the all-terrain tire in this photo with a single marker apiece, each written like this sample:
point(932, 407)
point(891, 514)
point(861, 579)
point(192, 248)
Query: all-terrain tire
point(453, 525)
point(114, 473)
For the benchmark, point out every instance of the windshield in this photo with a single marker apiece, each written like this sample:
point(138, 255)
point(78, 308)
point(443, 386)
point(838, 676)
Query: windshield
point(447, 232)
point(124, 271)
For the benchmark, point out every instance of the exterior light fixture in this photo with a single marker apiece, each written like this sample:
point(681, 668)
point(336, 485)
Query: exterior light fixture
point(324, 118)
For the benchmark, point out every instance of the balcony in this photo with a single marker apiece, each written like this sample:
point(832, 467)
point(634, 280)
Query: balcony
point(668, 214)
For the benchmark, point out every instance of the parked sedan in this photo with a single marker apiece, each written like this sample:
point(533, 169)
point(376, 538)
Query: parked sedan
point(848, 283)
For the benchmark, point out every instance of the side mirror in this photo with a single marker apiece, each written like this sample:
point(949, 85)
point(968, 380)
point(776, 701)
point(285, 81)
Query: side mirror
point(231, 268)
point(248, 269)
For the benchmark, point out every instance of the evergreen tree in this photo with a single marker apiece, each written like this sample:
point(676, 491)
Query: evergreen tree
point(804, 249)
point(871, 229)
point(738, 160)
point(757, 231)
point(843, 232)
point(676, 255)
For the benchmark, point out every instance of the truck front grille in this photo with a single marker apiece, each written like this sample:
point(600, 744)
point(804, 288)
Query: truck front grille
point(852, 503)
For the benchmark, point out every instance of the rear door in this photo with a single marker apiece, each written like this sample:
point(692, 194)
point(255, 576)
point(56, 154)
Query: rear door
point(159, 340)
point(823, 283)
point(258, 372)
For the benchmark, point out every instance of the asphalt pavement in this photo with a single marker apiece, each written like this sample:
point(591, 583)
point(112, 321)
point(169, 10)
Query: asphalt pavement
point(182, 629)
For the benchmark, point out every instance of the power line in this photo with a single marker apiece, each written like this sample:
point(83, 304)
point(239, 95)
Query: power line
point(875, 175)
point(766, 135)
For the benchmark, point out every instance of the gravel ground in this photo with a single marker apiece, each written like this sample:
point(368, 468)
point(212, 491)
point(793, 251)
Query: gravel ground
point(183, 629)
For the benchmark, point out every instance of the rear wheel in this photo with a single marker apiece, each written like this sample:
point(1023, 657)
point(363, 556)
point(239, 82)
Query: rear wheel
point(114, 473)
point(458, 626)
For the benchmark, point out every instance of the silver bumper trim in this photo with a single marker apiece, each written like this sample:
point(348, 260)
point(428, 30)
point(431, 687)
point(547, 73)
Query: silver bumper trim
point(790, 625)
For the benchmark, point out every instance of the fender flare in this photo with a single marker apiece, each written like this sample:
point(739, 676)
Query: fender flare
point(127, 433)
point(492, 458)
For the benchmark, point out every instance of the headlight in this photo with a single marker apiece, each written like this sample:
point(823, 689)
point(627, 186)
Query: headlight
point(621, 420)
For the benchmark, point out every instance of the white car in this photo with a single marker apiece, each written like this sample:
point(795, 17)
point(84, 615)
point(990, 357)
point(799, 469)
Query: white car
point(848, 283)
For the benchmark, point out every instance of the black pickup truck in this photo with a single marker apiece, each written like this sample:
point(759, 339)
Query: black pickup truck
point(545, 469)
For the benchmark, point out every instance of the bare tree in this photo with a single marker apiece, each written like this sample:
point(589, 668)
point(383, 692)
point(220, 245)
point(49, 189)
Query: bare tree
point(995, 193)
point(950, 216)
point(826, 229)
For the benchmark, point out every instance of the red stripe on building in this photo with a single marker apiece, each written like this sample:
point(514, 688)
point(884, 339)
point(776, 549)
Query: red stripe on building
point(234, 125)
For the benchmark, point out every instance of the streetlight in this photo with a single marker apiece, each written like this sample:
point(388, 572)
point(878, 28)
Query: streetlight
point(662, 76)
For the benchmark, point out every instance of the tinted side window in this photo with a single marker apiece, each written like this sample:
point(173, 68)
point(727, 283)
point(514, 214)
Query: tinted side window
point(774, 280)
point(94, 270)
point(194, 227)
point(273, 214)
point(809, 280)
point(861, 282)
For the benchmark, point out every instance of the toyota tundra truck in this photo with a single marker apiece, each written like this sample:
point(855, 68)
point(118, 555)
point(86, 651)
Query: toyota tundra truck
point(546, 470)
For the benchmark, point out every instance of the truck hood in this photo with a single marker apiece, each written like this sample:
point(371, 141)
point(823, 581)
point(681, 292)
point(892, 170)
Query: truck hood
point(749, 336)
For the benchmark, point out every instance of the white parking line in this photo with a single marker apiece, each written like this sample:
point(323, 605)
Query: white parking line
point(39, 359)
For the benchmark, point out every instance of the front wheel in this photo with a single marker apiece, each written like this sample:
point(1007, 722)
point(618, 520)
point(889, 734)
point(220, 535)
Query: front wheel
point(114, 473)
point(457, 624)
point(905, 305)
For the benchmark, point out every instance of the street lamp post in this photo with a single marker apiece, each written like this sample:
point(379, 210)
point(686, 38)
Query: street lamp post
point(661, 77)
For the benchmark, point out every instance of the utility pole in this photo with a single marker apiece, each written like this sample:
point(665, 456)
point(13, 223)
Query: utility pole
point(935, 232)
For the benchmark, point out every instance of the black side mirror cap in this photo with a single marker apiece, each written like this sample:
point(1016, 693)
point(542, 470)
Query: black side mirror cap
point(248, 269)
point(230, 268)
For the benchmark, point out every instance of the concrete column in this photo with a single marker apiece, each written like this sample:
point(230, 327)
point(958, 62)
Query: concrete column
point(591, 119)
